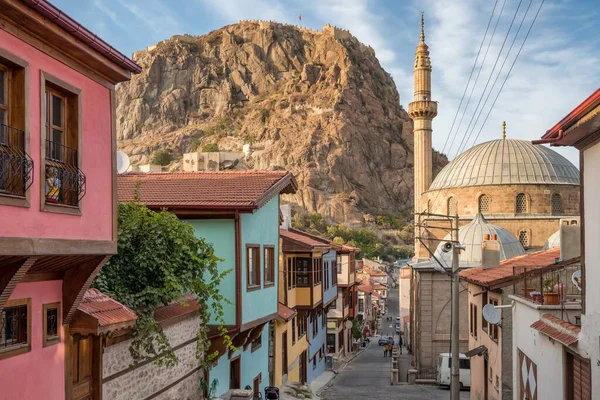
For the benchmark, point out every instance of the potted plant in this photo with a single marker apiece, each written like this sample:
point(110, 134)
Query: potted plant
point(551, 297)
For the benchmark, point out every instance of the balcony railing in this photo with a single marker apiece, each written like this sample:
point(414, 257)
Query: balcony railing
point(16, 166)
point(560, 285)
point(65, 182)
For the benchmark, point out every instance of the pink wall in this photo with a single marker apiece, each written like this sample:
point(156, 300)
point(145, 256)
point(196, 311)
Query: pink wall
point(40, 373)
point(95, 223)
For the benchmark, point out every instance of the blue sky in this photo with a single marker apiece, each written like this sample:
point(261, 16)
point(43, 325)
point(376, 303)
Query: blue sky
point(558, 67)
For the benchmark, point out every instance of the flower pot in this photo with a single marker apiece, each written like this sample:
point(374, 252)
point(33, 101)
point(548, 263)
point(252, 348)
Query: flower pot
point(551, 299)
point(527, 292)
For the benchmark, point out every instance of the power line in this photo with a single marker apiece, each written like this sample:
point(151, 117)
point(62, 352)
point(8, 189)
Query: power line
point(511, 68)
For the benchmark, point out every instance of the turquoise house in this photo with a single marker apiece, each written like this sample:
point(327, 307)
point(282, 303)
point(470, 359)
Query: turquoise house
point(238, 212)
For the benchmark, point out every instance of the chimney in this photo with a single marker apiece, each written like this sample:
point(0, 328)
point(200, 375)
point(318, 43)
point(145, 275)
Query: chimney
point(286, 211)
point(490, 252)
point(570, 239)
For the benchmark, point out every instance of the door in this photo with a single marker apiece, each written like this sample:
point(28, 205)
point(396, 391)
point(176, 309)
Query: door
point(84, 367)
point(578, 378)
point(485, 378)
point(234, 374)
point(303, 366)
point(284, 354)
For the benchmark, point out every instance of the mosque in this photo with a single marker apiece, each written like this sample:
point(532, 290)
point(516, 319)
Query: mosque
point(506, 187)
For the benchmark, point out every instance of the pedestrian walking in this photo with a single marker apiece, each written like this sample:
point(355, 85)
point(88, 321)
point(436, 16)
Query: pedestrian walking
point(400, 343)
point(385, 350)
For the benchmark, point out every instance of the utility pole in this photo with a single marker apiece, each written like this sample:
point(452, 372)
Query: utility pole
point(455, 372)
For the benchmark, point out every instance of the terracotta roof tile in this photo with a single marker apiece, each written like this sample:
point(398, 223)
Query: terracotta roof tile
point(378, 286)
point(284, 312)
point(365, 288)
point(503, 274)
point(559, 330)
point(406, 319)
point(174, 311)
point(205, 190)
point(109, 314)
point(301, 237)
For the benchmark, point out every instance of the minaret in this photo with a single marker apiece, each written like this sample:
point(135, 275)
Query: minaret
point(422, 111)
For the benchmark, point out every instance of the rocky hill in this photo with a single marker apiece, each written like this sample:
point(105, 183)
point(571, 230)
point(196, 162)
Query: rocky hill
point(314, 102)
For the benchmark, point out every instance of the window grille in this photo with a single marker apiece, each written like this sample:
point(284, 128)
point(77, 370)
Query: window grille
point(524, 238)
point(557, 207)
point(452, 206)
point(522, 206)
point(484, 203)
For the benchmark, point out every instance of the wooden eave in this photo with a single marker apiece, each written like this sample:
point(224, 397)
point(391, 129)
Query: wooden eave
point(19, 15)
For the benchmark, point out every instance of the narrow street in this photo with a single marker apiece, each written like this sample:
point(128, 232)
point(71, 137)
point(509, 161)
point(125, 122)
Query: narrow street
point(368, 375)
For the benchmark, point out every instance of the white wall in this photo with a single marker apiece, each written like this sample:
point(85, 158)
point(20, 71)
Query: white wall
point(547, 356)
point(404, 288)
point(589, 337)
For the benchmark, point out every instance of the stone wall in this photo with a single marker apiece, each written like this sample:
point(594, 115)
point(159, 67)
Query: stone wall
point(122, 381)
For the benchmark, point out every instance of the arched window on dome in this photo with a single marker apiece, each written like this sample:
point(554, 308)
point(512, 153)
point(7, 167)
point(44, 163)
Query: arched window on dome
point(451, 206)
point(557, 206)
point(429, 206)
point(484, 204)
point(521, 204)
point(524, 238)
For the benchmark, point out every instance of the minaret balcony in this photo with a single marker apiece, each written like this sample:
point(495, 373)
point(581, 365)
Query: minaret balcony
point(422, 109)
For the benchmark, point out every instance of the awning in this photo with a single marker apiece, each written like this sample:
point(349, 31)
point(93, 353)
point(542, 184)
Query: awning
point(477, 351)
point(557, 329)
point(98, 314)
point(284, 313)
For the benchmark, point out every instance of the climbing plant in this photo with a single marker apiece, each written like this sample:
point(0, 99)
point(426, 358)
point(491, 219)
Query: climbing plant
point(159, 259)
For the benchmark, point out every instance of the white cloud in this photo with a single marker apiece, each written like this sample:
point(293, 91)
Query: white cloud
point(157, 16)
point(236, 10)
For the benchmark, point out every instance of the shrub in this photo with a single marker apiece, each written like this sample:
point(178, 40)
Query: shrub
point(162, 157)
point(210, 148)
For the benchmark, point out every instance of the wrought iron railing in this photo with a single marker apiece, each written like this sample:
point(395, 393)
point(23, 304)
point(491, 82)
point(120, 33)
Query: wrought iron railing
point(65, 182)
point(557, 285)
point(13, 327)
point(16, 166)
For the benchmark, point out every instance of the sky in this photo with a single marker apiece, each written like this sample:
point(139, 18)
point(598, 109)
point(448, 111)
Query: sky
point(556, 69)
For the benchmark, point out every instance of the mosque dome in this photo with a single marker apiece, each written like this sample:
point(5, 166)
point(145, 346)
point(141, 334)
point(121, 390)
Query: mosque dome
point(553, 240)
point(471, 236)
point(506, 162)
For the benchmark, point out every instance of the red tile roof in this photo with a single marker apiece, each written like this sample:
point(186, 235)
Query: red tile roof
point(175, 311)
point(557, 329)
point(300, 237)
point(503, 275)
point(97, 313)
point(365, 288)
point(406, 319)
point(284, 312)
point(349, 249)
point(225, 190)
point(378, 286)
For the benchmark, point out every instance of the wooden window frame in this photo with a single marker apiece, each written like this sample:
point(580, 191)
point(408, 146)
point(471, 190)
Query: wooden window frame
point(18, 116)
point(256, 271)
point(269, 279)
point(24, 348)
point(253, 347)
point(293, 330)
point(306, 273)
point(73, 95)
point(45, 341)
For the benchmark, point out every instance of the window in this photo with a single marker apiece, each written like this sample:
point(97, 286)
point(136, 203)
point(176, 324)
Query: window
point(314, 362)
point(302, 322)
point(451, 206)
point(293, 330)
point(324, 320)
point(269, 265)
point(473, 320)
point(491, 328)
point(303, 271)
point(361, 305)
point(484, 203)
point(51, 324)
point(314, 322)
point(521, 204)
point(256, 343)
point(339, 266)
point(345, 299)
point(291, 273)
point(557, 207)
point(16, 166)
point(15, 328)
point(64, 182)
point(326, 267)
point(317, 270)
point(335, 270)
point(524, 238)
point(484, 323)
point(253, 266)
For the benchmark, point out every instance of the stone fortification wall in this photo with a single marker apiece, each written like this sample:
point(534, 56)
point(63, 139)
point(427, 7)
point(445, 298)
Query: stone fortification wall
point(125, 381)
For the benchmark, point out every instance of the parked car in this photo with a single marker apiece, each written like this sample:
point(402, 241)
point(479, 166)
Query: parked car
point(444, 370)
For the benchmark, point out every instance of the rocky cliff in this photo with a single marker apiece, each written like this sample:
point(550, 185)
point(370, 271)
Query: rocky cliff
point(314, 102)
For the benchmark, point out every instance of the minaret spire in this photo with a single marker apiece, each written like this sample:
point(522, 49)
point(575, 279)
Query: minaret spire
point(422, 111)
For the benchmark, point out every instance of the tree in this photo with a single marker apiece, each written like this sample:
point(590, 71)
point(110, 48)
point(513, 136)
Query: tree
point(162, 157)
point(356, 332)
point(158, 260)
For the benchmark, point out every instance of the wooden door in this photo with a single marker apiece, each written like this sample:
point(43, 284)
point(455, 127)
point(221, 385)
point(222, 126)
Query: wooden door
point(81, 368)
point(578, 378)
point(284, 354)
point(303, 366)
point(234, 374)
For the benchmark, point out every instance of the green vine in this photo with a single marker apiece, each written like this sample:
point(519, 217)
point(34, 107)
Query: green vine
point(159, 260)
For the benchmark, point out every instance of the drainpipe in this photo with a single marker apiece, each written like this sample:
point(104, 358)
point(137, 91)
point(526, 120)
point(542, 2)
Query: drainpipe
point(238, 271)
point(555, 139)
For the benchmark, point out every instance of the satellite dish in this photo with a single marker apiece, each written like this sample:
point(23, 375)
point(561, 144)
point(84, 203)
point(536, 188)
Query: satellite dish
point(576, 279)
point(491, 314)
point(123, 162)
point(348, 324)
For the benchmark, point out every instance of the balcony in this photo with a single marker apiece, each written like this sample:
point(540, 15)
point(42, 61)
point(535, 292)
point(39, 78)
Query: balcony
point(65, 182)
point(16, 166)
point(559, 284)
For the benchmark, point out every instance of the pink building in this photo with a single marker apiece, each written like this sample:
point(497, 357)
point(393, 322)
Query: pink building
point(57, 194)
